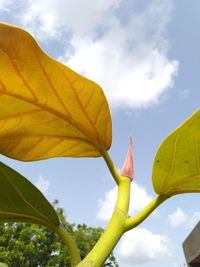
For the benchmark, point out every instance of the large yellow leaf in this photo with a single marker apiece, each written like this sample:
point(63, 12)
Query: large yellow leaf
point(177, 163)
point(46, 109)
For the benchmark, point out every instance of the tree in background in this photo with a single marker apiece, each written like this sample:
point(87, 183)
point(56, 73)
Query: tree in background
point(27, 245)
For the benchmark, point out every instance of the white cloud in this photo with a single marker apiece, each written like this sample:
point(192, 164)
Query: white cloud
point(42, 184)
point(177, 218)
point(141, 245)
point(128, 80)
point(186, 219)
point(106, 205)
point(48, 18)
point(4, 5)
point(126, 54)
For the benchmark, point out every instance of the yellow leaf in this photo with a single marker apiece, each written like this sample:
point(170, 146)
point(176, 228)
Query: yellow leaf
point(46, 109)
point(176, 167)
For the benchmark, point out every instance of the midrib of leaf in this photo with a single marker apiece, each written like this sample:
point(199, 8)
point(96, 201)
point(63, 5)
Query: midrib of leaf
point(48, 148)
point(56, 113)
point(21, 115)
point(26, 113)
point(15, 216)
point(22, 197)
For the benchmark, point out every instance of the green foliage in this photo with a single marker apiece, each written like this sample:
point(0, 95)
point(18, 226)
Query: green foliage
point(20, 200)
point(25, 245)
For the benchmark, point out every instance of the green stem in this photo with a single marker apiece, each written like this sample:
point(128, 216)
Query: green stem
point(71, 245)
point(111, 166)
point(114, 230)
point(141, 216)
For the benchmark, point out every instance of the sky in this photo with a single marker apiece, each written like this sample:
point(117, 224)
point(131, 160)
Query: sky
point(145, 55)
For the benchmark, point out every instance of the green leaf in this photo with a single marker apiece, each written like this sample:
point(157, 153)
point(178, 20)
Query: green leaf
point(21, 201)
point(176, 167)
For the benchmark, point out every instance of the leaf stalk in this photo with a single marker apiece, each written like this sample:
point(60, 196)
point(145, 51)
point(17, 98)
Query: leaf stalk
point(142, 215)
point(113, 170)
point(71, 245)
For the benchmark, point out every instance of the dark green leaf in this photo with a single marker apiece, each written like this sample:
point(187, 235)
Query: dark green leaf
point(21, 201)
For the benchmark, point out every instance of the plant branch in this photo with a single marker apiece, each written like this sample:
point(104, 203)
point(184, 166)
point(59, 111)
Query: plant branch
point(141, 216)
point(114, 230)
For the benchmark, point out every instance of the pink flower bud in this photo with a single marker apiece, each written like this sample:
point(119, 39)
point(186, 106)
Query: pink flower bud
point(128, 168)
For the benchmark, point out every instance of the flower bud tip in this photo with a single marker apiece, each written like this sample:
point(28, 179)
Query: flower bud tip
point(128, 167)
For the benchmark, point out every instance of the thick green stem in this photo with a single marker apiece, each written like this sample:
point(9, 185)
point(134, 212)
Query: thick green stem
point(141, 216)
point(114, 230)
point(71, 245)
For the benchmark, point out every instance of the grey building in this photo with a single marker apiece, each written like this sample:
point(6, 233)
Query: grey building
point(191, 247)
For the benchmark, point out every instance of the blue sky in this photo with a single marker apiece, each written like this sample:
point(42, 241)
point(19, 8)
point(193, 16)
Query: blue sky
point(145, 55)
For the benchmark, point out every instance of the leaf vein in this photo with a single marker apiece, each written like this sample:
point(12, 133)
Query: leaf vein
point(81, 105)
point(48, 109)
point(17, 71)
